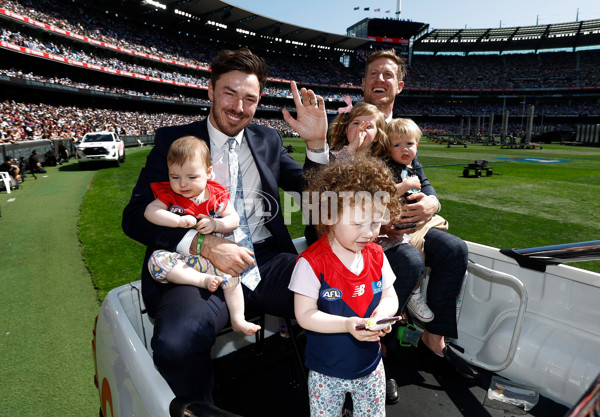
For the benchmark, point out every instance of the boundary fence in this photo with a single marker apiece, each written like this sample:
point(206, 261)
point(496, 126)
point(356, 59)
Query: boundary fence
point(24, 148)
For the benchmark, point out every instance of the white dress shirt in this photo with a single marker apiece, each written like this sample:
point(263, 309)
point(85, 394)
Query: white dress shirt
point(253, 205)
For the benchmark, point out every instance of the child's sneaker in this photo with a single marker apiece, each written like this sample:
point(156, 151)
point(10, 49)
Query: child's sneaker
point(419, 308)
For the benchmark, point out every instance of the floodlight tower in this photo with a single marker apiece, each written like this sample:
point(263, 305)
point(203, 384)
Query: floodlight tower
point(530, 116)
point(398, 9)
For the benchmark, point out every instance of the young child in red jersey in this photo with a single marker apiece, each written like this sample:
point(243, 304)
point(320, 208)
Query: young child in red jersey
point(190, 199)
point(342, 280)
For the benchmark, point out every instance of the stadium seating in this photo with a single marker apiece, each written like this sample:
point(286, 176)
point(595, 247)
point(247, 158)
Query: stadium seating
point(153, 70)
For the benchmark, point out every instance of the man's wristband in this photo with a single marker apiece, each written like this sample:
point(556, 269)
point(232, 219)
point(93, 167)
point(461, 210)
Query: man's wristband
point(199, 243)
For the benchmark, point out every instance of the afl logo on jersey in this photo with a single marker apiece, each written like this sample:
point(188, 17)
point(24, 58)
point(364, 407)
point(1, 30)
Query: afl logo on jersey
point(177, 210)
point(331, 294)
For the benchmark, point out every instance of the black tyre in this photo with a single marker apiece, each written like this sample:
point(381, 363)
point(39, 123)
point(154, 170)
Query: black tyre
point(465, 173)
point(478, 173)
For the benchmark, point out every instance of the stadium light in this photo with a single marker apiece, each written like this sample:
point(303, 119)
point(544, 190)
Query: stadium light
point(245, 32)
point(156, 4)
point(217, 24)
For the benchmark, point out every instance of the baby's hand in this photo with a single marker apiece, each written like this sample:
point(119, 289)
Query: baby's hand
point(206, 224)
point(413, 183)
point(187, 221)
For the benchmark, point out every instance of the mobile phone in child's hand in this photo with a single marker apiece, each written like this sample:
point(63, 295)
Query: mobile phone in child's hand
point(377, 323)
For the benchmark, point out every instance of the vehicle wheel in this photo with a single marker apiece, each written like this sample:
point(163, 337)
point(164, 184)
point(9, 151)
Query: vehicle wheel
point(117, 163)
point(489, 173)
point(478, 173)
point(123, 158)
point(465, 173)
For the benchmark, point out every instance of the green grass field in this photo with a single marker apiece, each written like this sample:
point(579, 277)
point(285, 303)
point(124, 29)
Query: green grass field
point(47, 299)
point(524, 204)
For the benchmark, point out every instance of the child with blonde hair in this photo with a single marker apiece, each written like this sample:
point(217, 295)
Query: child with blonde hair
point(398, 149)
point(354, 130)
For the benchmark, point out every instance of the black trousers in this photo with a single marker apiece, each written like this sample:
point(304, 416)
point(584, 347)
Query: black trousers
point(447, 256)
point(188, 319)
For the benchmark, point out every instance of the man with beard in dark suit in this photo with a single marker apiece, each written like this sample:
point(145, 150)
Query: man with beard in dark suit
point(188, 319)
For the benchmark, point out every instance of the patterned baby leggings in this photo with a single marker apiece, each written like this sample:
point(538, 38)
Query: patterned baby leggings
point(327, 394)
point(162, 261)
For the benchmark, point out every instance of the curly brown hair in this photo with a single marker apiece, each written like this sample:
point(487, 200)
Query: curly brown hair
point(349, 181)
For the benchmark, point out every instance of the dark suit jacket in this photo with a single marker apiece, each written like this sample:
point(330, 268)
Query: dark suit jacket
point(277, 170)
point(426, 187)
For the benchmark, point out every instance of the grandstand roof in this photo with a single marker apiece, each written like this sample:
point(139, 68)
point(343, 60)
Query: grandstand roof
point(215, 13)
point(553, 36)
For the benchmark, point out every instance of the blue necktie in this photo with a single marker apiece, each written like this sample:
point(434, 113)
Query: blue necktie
point(250, 277)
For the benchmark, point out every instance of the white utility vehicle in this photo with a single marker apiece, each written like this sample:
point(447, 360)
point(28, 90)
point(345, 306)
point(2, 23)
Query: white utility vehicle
point(522, 315)
point(100, 146)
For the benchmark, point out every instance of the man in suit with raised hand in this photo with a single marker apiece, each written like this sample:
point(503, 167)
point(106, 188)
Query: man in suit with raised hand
point(188, 319)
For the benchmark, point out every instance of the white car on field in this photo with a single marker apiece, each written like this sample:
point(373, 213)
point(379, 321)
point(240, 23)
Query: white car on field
point(101, 146)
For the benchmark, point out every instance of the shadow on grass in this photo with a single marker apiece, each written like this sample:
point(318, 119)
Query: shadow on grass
point(95, 166)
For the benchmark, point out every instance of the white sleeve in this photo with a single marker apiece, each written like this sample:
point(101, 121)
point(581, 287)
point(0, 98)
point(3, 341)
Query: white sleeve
point(387, 275)
point(319, 157)
point(183, 247)
point(304, 281)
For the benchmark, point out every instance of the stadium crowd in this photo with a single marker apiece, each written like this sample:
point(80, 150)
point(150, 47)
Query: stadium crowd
point(26, 121)
point(21, 120)
point(510, 71)
point(544, 70)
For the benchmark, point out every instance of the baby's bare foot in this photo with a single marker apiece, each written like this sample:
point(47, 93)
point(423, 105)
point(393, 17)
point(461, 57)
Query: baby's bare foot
point(212, 282)
point(243, 326)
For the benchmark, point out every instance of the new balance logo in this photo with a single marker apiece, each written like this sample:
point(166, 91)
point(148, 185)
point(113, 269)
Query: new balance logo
point(358, 291)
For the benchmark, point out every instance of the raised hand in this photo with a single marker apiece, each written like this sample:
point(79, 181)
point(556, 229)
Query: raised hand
point(311, 117)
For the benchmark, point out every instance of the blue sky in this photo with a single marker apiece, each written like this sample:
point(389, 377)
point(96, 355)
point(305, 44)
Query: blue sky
point(336, 15)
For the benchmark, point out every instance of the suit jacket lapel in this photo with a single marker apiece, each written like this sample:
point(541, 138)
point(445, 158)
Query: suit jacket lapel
point(202, 128)
point(255, 144)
